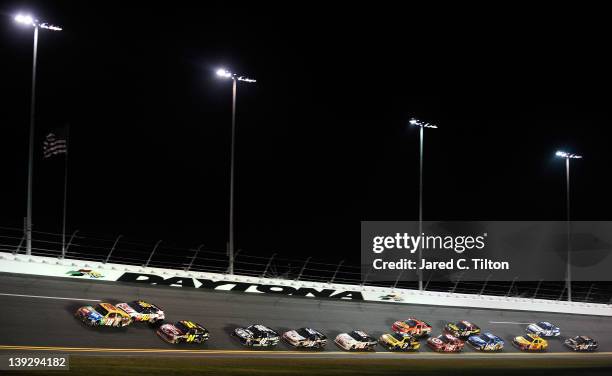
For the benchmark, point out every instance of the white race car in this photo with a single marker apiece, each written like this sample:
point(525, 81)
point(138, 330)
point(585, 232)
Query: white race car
point(305, 337)
point(544, 329)
point(355, 340)
point(141, 311)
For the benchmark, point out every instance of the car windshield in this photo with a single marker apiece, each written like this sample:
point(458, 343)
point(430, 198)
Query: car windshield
point(182, 327)
point(461, 325)
point(485, 337)
point(445, 339)
point(304, 333)
point(101, 310)
point(410, 322)
point(545, 325)
point(397, 336)
point(360, 336)
point(142, 307)
point(527, 338)
point(260, 331)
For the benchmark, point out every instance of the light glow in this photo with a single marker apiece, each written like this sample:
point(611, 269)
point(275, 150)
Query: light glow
point(421, 124)
point(31, 21)
point(227, 74)
point(25, 19)
point(563, 154)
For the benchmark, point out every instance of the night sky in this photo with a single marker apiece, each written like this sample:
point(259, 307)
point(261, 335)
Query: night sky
point(323, 139)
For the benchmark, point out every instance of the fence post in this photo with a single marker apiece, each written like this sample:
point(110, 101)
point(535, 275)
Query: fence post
point(511, 286)
point(64, 251)
point(268, 265)
point(152, 252)
point(230, 268)
point(336, 272)
point(16, 251)
point(427, 284)
point(365, 279)
point(537, 289)
point(562, 292)
point(397, 279)
point(194, 257)
point(112, 249)
point(589, 293)
point(485, 285)
point(302, 270)
point(457, 282)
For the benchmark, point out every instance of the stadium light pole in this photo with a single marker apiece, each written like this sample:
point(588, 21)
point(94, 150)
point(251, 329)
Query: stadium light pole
point(568, 273)
point(223, 73)
point(31, 21)
point(422, 125)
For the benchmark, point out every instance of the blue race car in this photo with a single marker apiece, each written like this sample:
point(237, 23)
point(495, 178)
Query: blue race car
point(544, 329)
point(486, 342)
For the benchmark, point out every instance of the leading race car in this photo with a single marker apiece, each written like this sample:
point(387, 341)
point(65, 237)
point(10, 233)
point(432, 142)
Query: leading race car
point(257, 335)
point(544, 329)
point(355, 340)
point(305, 337)
point(141, 311)
point(486, 342)
point(183, 331)
point(461, 329)
point(399, 341)
point(530, 342)
point(445, 343)
point(103, 314)
point(412, 326)
point(581, 343)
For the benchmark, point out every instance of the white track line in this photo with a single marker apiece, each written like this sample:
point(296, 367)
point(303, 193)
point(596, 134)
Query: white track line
point(510, 322)
point(48, 297)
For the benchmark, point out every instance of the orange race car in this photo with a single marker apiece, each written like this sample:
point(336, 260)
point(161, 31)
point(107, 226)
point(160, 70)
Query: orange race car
point(412, 326)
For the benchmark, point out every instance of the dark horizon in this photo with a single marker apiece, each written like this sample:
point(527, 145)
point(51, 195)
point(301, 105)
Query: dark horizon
point(323, 140)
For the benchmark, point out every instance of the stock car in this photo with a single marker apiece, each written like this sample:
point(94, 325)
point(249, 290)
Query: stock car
point(581, 343)
point(399, 341)
point(544, 329)
point(141, 311)
point(530, 342)
point(183, 331)
point(305, 337)
point(412, 326)
point(445, 343)
point(486, 342)
point(355, 340)
point(461, 329)
point(257, 335)
point(103, 314)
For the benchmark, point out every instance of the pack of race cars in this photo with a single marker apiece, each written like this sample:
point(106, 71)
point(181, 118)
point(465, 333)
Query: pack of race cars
point(404, 334)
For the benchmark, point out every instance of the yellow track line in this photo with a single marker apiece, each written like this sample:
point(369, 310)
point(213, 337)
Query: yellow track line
point(281, 352)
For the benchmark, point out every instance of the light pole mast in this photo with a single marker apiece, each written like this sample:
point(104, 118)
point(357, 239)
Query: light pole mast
point(422, 127)
point(30, 21)
point(31, 147)
point(231, 214)
point(235, 78)
point(568, 272)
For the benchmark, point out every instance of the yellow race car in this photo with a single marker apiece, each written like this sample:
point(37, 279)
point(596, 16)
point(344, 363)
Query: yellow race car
point(530, 342)
point(399, 341)
point(103, 314)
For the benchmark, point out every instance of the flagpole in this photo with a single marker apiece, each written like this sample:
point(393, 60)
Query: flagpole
point(65, 190)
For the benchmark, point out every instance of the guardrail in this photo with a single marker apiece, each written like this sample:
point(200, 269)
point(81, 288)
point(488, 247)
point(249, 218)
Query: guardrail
point(161, 255)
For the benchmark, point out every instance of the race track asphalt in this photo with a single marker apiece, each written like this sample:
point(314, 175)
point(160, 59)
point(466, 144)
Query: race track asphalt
point(37, 312)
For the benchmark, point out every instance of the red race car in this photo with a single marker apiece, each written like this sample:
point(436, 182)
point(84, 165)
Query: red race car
point(412, 326)
point(445, 343)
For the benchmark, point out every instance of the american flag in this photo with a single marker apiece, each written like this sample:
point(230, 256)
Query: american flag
point(55, 143)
